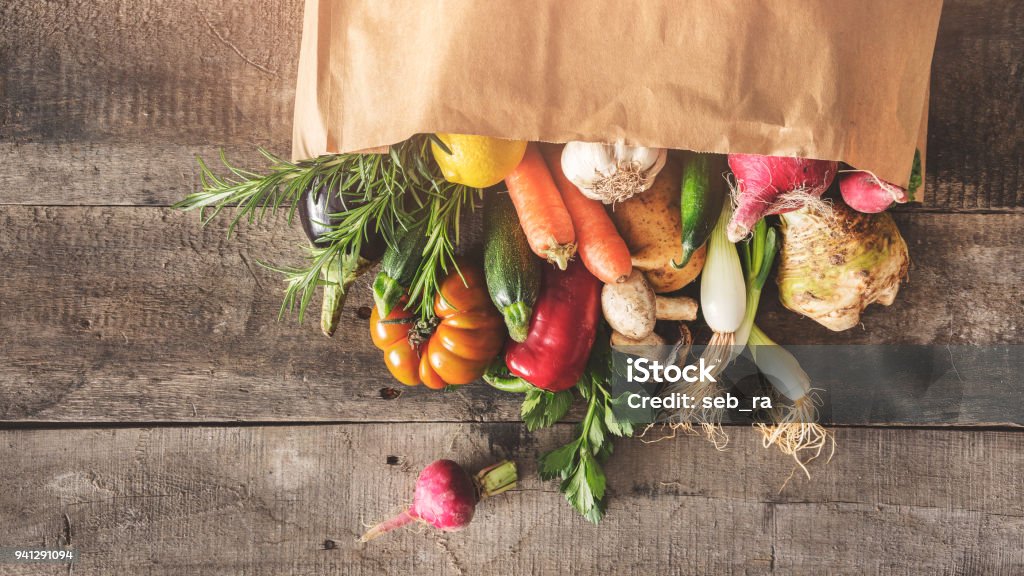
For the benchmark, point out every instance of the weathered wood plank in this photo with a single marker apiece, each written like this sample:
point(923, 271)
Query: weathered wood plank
point(141, 314)
point(101, 174)
point(128, 314)
point(265, 500)
point(976, 114)
point(149, 72)
point(125, 82)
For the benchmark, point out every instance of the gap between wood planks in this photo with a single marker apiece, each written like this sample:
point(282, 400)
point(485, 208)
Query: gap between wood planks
point(58, 425)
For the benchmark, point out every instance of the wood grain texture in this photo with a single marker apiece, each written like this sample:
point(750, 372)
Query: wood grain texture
point(112, 314)
point(151, 71)
point(140, 314)
point(102, 174)
point(976, 115)
point(124, 81)
point(292, 500)
point(109, 103)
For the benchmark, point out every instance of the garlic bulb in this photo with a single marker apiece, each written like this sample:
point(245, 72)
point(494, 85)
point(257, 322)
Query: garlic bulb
point(611, 172)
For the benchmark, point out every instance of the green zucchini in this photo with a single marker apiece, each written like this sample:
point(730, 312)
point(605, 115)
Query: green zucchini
point(511, 269)
point(398, 268)
point(702, 196)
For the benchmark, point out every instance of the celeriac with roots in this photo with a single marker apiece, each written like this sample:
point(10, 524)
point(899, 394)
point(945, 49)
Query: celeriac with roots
point(834, 265)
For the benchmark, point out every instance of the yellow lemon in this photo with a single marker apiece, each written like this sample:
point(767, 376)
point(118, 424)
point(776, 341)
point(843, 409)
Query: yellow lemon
point(477, 161)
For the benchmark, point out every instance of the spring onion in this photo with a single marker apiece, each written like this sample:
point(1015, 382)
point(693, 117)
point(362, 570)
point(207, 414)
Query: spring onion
point(723, 299)
point(795, 427)
point(757, 253)
point(722, 288)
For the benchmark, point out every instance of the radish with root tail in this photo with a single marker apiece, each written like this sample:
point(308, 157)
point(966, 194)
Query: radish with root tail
point(833, 266)
point(723, 299)
point(767, 185)
point(794, 428)
point(865, 192)
point(446, 497)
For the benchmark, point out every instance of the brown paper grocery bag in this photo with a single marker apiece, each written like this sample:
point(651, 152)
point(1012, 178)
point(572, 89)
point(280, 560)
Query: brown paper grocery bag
point(831, 79)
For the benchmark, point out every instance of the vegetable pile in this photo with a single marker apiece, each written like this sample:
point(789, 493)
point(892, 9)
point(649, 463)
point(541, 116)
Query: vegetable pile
point(586, 246)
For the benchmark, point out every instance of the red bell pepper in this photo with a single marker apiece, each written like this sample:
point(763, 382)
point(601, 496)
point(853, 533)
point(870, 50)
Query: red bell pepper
point(562, 330)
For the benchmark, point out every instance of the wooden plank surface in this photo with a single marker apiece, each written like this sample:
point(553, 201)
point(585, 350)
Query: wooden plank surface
point(121, 89)
point(153, 71)
point(292, 500)
point(113, 309)
point(126, 314)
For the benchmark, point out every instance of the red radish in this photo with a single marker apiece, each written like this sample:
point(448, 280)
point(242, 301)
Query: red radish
point(864, 192)
point(767, 185)
point(446, 496)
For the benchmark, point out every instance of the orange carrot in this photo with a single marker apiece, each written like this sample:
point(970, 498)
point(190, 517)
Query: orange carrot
point(542, 213)
point(600, 246)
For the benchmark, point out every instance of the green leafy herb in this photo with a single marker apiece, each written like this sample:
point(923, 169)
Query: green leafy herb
point(443, 216)
point(542, 409)
point(579, 463)
point(389, 192)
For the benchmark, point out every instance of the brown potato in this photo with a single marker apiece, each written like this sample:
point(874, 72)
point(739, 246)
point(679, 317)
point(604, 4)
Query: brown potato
point(649, 223)
point(668, 279)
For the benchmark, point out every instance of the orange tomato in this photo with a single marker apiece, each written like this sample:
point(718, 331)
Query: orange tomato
point(469, 334)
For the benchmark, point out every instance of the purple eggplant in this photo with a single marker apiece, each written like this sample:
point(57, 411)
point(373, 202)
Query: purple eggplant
point(315, 209)
point(316, 206)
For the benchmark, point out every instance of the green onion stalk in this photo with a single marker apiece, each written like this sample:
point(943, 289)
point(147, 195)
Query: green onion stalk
point(722, 298)
point(752, 268)
point(794, 428)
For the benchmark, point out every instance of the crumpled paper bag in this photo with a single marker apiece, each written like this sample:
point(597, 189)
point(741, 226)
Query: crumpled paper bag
point(825, 79)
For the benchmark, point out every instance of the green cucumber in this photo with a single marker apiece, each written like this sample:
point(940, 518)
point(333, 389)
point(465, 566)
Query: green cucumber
point(511, 269)
point(702, 196)
point(398, 268)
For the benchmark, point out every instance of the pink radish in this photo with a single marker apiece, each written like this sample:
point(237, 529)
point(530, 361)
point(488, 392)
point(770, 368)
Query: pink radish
point(863, 192)
point(767, 185)
point(446, 496)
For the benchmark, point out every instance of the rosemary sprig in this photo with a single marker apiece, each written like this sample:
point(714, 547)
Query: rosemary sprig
point(443, 215)
point(359, 177)
point(256, 194)
point(301, 283)
point(390, 192)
